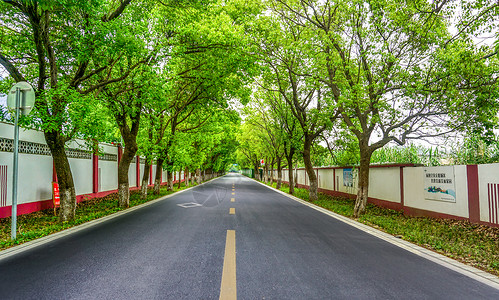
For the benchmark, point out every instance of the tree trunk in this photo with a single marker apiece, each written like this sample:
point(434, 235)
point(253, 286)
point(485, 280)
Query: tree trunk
point(279, 173)
point(157, 177)
point(257, 173)
point(145, 180)
point(169, 185)
point(266, 175)
point(186, 177)
point(271, 173)
point(67, 192)
point(123, 167)
point(198, 176)
point(179, 183)
point(296, 176)
point(291, 180)
point(312, 191)
point(363, 183)
point(129, 135)
point(193, 178)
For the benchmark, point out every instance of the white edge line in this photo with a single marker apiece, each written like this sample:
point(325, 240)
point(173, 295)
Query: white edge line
point(57, 235)
point(474, 273)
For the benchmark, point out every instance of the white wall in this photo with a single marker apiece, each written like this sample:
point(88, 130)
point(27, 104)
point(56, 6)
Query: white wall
point(34, 178)
point(108, 176)
point(414, 192)
point(131, 173)
point(384, 184)
point(35, 170)
point(82, 175)
point(326, 180)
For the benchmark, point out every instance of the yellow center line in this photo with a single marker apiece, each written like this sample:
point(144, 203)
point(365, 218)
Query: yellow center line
point(232, 211)
point(232, 199)
point(233, 193)
point(228, 288)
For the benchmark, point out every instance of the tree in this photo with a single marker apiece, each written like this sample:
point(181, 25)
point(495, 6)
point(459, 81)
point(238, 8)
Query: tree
point(58, 49)
point(286, 51)
point(249, 150)
point(392, 73)
point(291, 132)
point(259, 113)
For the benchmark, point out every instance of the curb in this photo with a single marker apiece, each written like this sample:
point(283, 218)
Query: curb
point(4, 254)
point(474, 273)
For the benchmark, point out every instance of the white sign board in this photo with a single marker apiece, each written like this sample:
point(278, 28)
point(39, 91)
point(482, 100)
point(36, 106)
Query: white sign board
point(439, 184)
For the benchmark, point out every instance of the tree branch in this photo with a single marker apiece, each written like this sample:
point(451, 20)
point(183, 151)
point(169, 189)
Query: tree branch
point(117, 12)
point(13, 71)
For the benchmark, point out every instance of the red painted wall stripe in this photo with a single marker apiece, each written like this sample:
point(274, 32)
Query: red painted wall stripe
point(120, 153)
point(95, 173)
point(490, 192)
point(3, 185)
point(473, 193)
point(497, 202)
point(150, 174)
point(402, 186)
point(493, 197)
point(137, 171)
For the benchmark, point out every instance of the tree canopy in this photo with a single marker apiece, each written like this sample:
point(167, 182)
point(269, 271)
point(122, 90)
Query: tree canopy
point(198, 86)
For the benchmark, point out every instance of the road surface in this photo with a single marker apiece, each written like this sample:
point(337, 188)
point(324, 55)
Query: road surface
point(231, 236)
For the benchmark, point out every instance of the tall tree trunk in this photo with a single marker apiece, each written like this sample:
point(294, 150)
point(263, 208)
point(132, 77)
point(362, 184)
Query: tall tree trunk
point(363, 180)
point(291, 178)
point(193, 178)
point(198, 176)
point(296, 176)
point(266, 176)
point(312, 191)
point(145, 180)
point(123, 167)
point(129, 135)
point(56, 144)
point(169, 184)
point(279, 173)
point(257, 172)
point(157, 177)
point(179, 183)
point(272, 173)
point(186, 177)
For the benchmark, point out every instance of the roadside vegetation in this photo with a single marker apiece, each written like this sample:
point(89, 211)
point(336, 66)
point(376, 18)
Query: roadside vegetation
point(472, 244)
point(42, 223)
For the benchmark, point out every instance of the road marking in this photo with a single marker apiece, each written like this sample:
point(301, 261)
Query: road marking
point(232, 211)
point(232, 199)
point(487, 278)
point(228, 288)
point(54, 236)
point(233, 193)
point(233, 190)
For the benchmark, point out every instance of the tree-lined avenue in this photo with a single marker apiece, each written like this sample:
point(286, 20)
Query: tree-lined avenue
point(175, 248)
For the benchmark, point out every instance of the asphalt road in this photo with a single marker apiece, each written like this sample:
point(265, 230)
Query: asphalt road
point(176, 249)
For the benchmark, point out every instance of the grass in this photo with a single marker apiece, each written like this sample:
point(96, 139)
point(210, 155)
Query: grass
point(42, 223)
point(473, 244)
